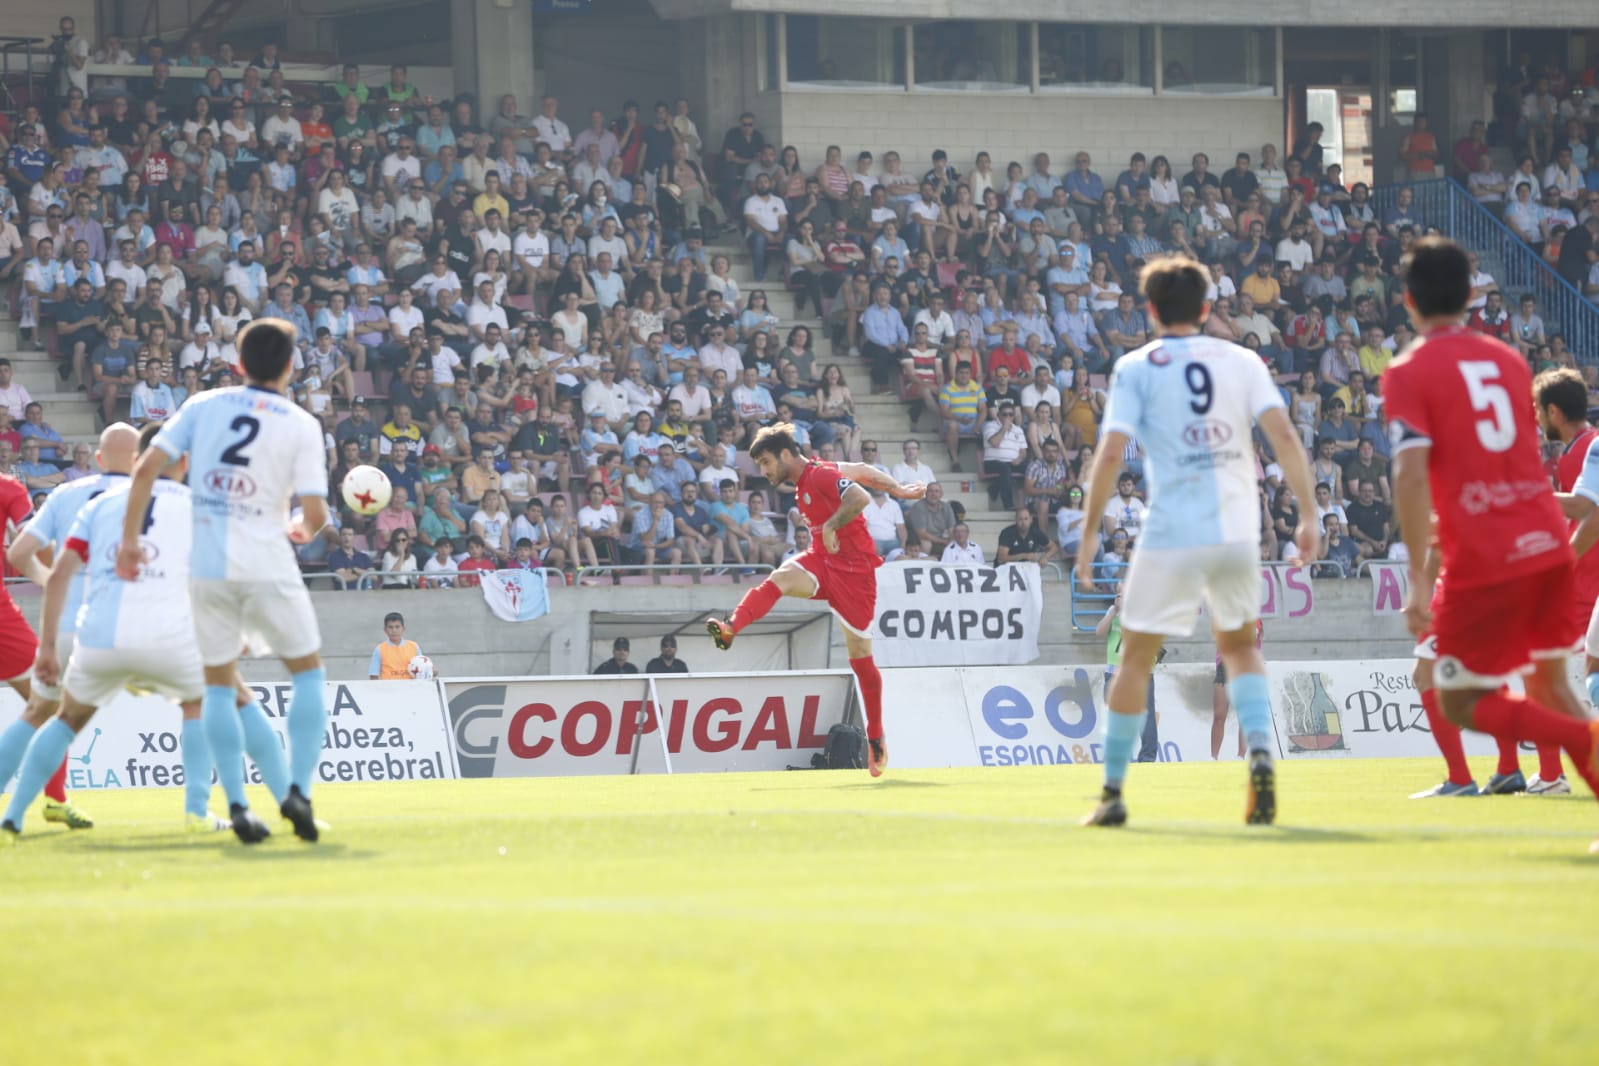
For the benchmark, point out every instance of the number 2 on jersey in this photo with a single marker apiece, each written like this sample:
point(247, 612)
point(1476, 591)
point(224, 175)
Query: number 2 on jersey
point(233, 454)
point(1497, 431)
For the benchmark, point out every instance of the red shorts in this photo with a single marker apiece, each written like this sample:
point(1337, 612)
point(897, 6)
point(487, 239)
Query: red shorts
point(18, 645)
point(852, 594)
point(1490, 633)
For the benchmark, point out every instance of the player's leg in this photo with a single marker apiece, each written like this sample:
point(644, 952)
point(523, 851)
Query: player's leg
point(858, 647)
point(197, 767)
point(282, 611)
point(1218, 713)
point(790, 579)
point(218, 618)
point(1232, 588)
point(1149, 740)
point(1126, 711)
point(1445, 733)
point(1552, 690)
point(45, 752)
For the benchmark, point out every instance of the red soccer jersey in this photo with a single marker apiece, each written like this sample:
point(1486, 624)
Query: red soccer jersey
point(1566, 470)
point(15, 507)
point(818, 493)
point(1470, 398)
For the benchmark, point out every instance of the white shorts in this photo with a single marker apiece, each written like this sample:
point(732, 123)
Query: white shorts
point(1426, 648)
point(64, 644)
point(98, 674)
point(268, 617)
point(1590, 643)
point(1166, 586)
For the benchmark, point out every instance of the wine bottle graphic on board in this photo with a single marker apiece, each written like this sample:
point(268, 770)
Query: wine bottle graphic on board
point(1319, 726)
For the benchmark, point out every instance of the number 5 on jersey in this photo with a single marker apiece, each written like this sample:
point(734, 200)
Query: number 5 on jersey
point(1497, 430)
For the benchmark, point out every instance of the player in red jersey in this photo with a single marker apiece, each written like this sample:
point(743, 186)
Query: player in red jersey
point(1465, 443)
point(18, 645)
point(838, 568)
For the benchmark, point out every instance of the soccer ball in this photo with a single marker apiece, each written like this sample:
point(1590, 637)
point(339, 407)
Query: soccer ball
point(420, 668)
point(367, 490)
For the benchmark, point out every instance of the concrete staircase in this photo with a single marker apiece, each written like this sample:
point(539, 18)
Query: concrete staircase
point(884, 419)
point(65, 408)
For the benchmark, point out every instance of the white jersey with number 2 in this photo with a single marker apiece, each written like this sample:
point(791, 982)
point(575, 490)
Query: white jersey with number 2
point(250, 451)
point(1193, 403)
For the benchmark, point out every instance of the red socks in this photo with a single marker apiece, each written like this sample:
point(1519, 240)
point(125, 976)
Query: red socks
point(56, 787)
point(871, 692)
point(1549, 762)
point(1518, 718)
point(1509, 757)
point(1446, 735)
point(756, 602)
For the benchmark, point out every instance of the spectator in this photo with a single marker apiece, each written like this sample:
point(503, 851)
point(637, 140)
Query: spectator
point(1024, 542)
point(617, 663)
point(960, 550)
point(885, 523)
point(1004, 454)
point(667, 662)
point(1370, 523)
point(398, 562)
point(349, 563)
point(1127, 510)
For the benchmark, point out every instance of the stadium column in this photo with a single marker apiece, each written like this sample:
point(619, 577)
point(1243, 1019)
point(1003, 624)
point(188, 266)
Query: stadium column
point(491, 51)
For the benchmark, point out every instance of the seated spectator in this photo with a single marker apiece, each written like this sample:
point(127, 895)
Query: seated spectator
point(1370, 523)
point(930, 521)
point(1004, 454)
point(1024, 541)
point(478, 558)
point(621, 647)
point(964, 409)
point(652, 535)
point(399, 564)
point(1126, 510)
point(960, 549)
point(885, 522)
point(348, 562)
point(1069, 522)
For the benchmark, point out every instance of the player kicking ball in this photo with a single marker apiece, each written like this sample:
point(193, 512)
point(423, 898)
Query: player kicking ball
point(839, 568)
point(1465, 442)
point(250, 450)
point(1192, 401)
point(136, 634)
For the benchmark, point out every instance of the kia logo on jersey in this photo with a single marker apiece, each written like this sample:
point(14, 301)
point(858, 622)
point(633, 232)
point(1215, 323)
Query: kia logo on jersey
point(1207, 433)
point(233, 483)
point(148, 552)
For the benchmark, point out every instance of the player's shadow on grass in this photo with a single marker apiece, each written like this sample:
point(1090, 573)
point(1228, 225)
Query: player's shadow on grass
point(232, 849)
point(892, 782)
point(1274, 834)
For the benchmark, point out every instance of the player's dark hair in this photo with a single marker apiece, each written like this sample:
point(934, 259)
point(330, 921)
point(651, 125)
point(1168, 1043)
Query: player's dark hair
point(147, 434)
point(774, 440)
point(394, 616)
point(1175, 287)
point(1564, 388)
point(1438, 277)
point(266, 348)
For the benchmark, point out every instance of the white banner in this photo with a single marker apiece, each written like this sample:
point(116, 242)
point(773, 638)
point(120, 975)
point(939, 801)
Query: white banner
point(1390, 584)
point(547, 727)
point(929, 614)
point(377, 731)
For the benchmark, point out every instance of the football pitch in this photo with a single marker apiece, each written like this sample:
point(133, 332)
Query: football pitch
point(932, 916)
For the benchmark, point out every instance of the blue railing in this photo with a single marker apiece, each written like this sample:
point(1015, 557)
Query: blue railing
point(1089, 607)
point(1518, 269)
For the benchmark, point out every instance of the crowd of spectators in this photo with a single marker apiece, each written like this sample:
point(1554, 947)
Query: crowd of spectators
point(525, 326)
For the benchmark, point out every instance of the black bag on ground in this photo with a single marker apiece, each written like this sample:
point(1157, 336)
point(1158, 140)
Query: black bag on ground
point(845, 749)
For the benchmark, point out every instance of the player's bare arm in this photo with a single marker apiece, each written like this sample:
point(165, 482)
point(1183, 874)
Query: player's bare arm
point(30, 557)
point(151, 465)
point(874, 478)
point(1290, 452)
point(1413, 509)
point(850, 506)
point(1101, 483)
point(47, 666)
point(313, 519)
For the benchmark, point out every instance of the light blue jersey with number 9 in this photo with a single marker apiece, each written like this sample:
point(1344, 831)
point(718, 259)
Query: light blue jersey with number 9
point(1193, 402)
point(250, 451)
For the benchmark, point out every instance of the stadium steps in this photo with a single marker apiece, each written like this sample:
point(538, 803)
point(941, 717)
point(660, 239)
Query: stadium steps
point(65, 408)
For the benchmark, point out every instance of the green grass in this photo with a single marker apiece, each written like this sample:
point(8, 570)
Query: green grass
point(949, 916)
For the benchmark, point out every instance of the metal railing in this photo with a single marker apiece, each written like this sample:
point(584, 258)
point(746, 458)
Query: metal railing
point(695, 574)
point(1517, 268)
point(415, 579)
point(1089, 607)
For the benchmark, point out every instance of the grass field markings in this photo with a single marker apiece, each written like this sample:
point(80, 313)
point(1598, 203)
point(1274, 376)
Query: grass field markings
point(1121, 925)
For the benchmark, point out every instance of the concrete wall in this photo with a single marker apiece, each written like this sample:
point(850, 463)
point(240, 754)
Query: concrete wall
point(1110, 128)
point(456, 630)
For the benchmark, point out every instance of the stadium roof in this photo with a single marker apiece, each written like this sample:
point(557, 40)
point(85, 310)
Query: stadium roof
point(1470, 14)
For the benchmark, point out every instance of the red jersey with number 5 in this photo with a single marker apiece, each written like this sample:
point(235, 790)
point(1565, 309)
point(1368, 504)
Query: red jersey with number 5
point(818, 493)
point(1469, 397)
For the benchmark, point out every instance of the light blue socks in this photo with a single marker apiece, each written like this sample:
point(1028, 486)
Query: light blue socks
point(196, 767)
point(1122, 735)
point(308, 720)
point(265, 749)
point(222, 729)
point(1593, 697)
point(1250, 695)
point(13, 746)
point(44, 755)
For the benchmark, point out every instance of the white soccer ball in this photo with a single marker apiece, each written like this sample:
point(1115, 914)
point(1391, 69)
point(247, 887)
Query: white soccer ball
point(420, 668)
point(367, 490)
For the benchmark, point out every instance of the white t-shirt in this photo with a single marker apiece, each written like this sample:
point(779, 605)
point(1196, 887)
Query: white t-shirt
point(769, 212)
point(972, 554)
point(405, 320)
point(883, 519)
